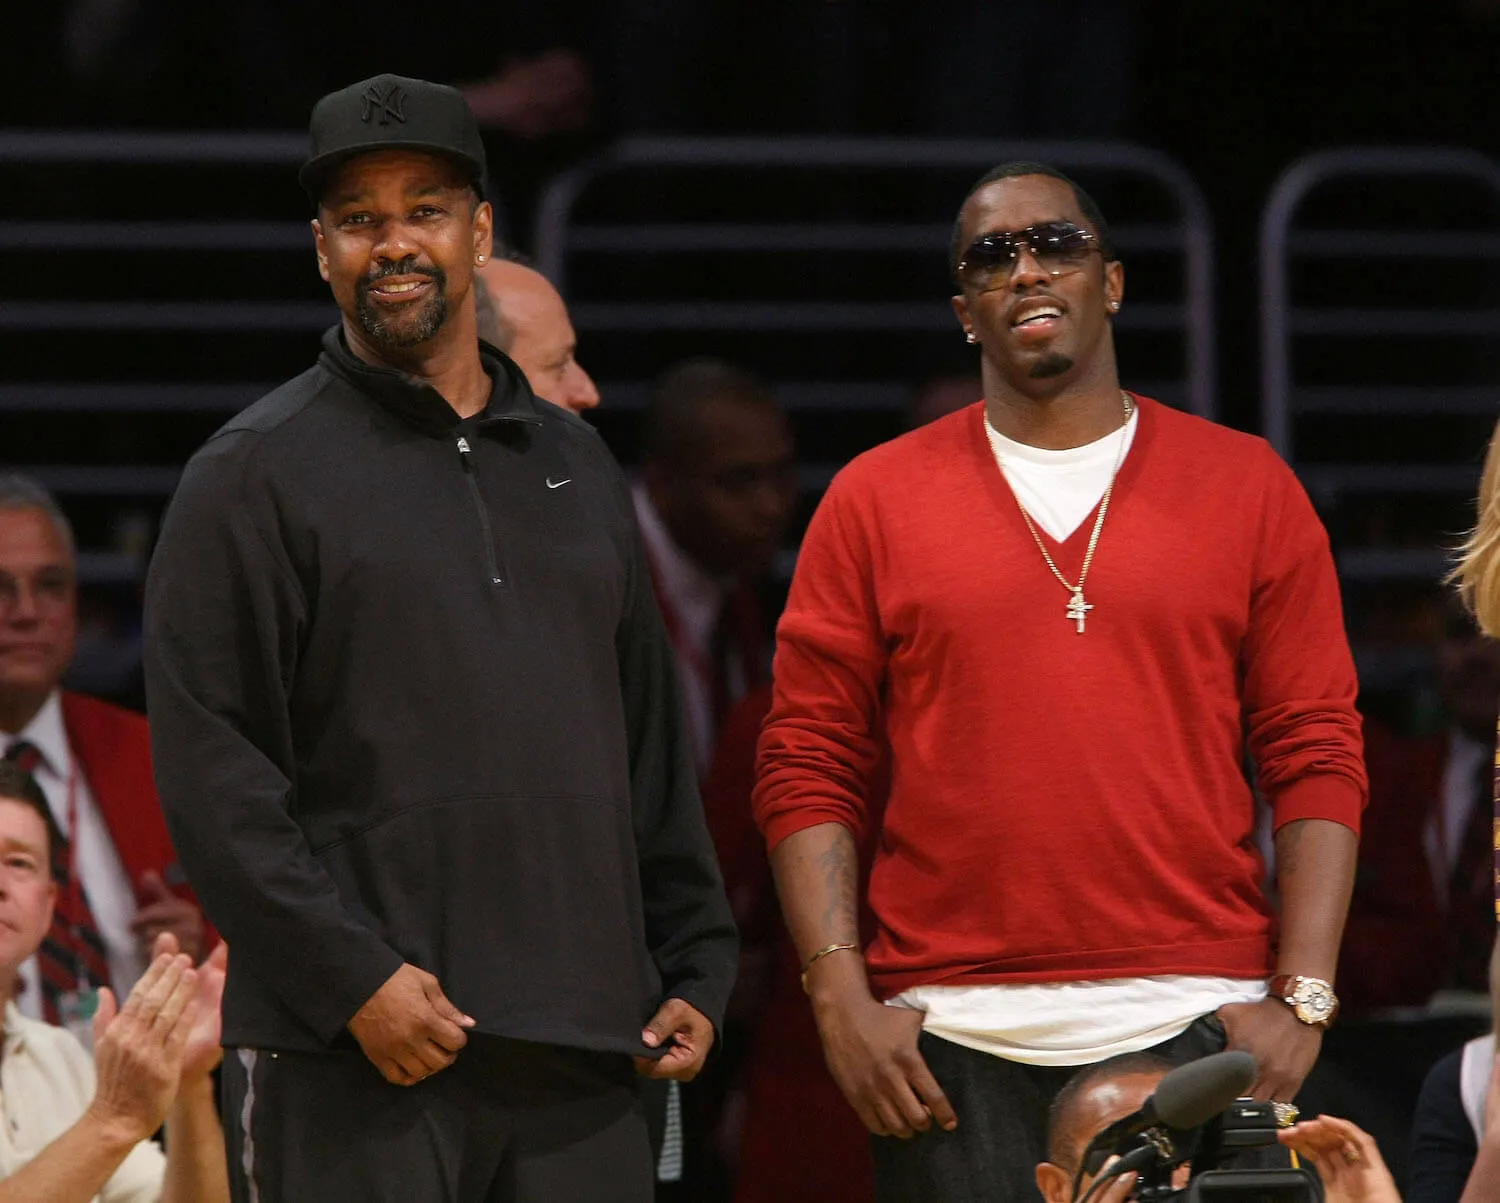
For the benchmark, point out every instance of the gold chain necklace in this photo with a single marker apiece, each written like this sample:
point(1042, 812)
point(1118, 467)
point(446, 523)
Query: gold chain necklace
point(1078, 608)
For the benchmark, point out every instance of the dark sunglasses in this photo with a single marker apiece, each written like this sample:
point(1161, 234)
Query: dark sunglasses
point(1059, 247)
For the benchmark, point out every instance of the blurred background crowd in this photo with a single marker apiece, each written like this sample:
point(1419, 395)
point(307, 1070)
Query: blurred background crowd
point(744, 207)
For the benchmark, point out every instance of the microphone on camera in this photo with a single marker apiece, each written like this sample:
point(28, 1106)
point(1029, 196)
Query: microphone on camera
point(1186, 1098)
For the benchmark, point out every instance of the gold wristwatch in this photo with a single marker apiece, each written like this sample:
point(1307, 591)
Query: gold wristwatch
point(1311, 999)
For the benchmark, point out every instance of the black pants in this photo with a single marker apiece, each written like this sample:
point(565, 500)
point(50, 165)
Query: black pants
point(508, 1122)
point(1002, 1106)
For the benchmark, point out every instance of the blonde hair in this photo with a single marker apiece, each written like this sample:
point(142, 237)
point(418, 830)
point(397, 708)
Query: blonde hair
point(1478, 573)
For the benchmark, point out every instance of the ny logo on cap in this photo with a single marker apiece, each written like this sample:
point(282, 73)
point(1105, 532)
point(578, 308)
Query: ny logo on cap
point(387, 106)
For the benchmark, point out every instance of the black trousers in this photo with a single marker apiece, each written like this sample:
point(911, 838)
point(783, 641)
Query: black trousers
point(508, 1122)
point(1002, 1106)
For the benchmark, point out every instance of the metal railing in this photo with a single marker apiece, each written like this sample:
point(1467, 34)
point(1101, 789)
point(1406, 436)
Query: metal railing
point(561, 236)
point(81, 384)
point(1284, 319)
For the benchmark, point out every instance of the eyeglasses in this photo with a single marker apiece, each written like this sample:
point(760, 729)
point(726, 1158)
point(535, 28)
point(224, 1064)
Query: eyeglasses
point(1059, 247)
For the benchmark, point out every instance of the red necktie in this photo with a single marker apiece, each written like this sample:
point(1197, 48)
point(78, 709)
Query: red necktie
point(72, 954)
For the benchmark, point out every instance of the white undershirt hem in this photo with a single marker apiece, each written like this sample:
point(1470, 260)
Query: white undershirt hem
point(1073, 1023)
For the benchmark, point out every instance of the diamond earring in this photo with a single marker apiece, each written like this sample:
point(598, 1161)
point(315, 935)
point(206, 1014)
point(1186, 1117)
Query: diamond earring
point(969, 337)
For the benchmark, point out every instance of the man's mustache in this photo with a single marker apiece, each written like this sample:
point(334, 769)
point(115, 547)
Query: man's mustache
point(405, 267)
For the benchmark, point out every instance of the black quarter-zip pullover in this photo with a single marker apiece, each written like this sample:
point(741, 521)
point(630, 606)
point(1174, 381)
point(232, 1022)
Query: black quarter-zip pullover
point(411, 700)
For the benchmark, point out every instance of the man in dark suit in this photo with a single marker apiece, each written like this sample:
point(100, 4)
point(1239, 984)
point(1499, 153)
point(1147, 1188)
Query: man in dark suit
point(93, 762)
point(717, 487)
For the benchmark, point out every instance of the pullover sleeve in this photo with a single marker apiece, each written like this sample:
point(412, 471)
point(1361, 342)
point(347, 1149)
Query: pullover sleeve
point(224, 619)
point(1300, 685)
point(689, 928)
point(821, 742)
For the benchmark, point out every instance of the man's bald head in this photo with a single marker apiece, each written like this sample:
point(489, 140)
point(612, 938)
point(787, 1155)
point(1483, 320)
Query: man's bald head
point(521, 313)
point(1093, 1098)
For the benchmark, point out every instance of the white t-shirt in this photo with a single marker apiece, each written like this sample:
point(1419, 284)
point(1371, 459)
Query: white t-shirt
point(46, 1084)
point(1069, 1023)
point(105, 882)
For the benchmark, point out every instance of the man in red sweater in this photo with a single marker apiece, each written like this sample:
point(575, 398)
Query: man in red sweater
point(1066, 614)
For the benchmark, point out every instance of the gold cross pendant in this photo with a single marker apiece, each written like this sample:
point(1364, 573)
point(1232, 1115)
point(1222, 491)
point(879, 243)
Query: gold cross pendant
point(1078, 609)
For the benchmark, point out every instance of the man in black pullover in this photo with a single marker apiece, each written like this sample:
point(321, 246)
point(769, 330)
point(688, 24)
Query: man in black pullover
point(417, 733)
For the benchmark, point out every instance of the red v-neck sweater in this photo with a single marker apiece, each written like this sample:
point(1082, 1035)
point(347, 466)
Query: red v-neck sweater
point(1063, 806)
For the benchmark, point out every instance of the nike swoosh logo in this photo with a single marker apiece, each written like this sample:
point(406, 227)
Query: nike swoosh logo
point(557, 484)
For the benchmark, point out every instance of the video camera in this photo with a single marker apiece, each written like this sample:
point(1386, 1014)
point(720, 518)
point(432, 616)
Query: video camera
point(1197, 1115)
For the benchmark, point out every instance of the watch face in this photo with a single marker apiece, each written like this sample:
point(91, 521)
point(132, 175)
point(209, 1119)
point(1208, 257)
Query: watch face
point(1314, 1002)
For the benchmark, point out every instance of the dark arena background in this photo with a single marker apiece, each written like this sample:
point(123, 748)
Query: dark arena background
point(1306, 197)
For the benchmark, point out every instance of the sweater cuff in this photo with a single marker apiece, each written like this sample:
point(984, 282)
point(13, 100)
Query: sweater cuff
point(329, 1010)
point(1330, 796)
point(813, 814)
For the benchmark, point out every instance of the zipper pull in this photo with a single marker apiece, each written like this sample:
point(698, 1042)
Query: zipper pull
point(463, 453)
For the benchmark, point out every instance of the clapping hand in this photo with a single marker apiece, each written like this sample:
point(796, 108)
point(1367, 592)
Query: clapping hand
point(140, 1048)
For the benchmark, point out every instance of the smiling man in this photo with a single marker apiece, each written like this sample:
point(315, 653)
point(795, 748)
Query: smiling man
point(1061, 616)
point(418, 732)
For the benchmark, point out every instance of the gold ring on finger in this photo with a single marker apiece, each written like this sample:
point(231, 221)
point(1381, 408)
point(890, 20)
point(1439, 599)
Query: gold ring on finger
point(1351, 1155)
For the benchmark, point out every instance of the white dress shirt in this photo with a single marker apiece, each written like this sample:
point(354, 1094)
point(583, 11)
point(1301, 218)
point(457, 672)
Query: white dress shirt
point(105, 882)
point(692, 602)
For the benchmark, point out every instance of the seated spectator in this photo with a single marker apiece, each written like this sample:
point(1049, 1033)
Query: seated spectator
point(1423, 914)
point(718, 483)
point(93, 763)
point(520, 313)
point(1456, 1132)
point(716, 493)
point(78, 1129)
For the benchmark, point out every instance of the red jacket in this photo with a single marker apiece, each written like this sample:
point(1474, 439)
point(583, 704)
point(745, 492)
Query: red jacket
point(114, 749)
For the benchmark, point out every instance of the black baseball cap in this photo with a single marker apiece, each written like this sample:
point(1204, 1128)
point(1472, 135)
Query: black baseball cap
point(391, 112)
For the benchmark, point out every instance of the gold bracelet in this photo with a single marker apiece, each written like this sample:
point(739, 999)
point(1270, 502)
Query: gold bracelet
point(820, 954)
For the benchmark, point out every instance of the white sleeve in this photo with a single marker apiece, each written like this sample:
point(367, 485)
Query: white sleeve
point(140, 1177)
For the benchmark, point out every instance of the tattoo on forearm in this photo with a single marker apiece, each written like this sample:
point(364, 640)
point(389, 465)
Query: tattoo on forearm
point(1289, 848)
point(838, 872)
